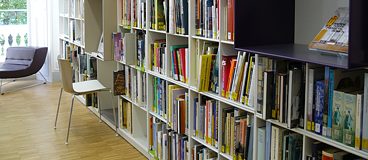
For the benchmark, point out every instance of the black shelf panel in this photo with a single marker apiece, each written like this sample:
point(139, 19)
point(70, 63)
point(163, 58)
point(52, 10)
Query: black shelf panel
point(299, 52)
point(268, 27)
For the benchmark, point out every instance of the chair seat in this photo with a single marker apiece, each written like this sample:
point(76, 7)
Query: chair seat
point(88, 86)
point(12, 67)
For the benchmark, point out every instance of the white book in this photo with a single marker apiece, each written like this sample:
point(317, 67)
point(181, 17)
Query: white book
point(290, 97)
point(130, 49)
point(171, 16)
point(261, 144)
point(165, 147)
point(139, 86)
point(273, 143)
point(310, 99)
point(159, 144)
point(235, 77)
point(358, 122)
point(365, 115)
point(264, 95)
point(281, 97)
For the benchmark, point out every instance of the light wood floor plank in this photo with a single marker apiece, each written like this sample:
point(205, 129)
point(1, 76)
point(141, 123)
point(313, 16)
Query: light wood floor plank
point(27, 132)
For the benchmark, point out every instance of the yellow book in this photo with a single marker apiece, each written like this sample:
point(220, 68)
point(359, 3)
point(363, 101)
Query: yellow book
point(249, 79)
point(155, 54)
point(208, 72)
point(203, 64)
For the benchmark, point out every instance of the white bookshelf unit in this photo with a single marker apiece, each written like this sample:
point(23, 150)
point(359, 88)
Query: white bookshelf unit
point(105, 17)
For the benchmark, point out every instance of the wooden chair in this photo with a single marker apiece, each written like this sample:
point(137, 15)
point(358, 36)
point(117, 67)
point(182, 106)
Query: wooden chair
point(79, 88)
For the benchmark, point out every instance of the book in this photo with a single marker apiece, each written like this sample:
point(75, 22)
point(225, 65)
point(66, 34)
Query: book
point(334, 36)
point(207, 18)
point(365, 115)
point(318, 115)
point(338, 116)
point(349, 119)
point(117, 39)
point(261, 146)
point(119, 82)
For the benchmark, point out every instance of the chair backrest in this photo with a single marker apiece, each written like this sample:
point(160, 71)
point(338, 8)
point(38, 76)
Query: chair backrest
point(20, 56)
point(23, 61)
point(66, 74)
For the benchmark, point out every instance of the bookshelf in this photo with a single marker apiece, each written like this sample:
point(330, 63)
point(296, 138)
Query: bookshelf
point(156, 75)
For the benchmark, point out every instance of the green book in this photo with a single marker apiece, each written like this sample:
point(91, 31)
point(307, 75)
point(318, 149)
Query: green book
point(349, 119)
point(337, 115)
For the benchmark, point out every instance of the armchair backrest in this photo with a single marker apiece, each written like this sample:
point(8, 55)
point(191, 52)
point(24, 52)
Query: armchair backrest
point(66, 74)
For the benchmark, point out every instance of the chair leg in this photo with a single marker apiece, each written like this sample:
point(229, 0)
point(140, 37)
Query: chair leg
point(57, 111)
point(113, 110)
point(99, 109)
point(70, 119)
point(44, 79)
point(1, 84)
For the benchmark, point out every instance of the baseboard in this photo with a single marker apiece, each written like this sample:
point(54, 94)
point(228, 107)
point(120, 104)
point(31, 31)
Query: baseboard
point(55, 76)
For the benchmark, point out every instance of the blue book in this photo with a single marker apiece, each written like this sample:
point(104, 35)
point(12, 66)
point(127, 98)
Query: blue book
point(268, 140)
point(318, 114)
point(331, 88)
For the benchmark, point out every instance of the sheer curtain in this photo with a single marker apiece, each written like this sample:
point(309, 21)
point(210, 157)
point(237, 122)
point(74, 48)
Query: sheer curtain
point(39, 27)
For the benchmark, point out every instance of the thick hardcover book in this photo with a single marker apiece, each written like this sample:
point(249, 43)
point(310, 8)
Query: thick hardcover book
point(337, 118)
point(349, 119)
point(320, 99)
point(119, 82)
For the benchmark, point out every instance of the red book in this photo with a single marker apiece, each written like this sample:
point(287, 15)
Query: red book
point(182, 60)
point(226, 64)
point(176, 71)
point(230, 20)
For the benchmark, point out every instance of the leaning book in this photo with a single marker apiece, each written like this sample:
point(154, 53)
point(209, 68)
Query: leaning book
point(334, 36)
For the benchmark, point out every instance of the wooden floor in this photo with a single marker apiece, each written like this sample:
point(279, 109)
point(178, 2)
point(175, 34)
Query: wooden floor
point(27, 132)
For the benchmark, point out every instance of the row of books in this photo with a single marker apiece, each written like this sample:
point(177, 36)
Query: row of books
point(126, 16)
point(229, 19)
point(200, 152)
point(159, 105)
point(158, 15)
point(283, 90)
point(237, 78)
point(166, 143)
point(178, 109)
point(207, 18)
point(336, 107)
point(158, 61)
point(139, 13)
point(279, 143)
point(76, 8)
point(130, 48)
point(237, 131)
point(205, 125)
point(125, 115)
point(135, 85)
point(207, 56)
point(177, 17)
point(325, 152)
point(179, 62)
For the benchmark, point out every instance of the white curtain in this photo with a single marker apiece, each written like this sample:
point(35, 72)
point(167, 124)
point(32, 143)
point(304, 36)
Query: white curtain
point(39, 27)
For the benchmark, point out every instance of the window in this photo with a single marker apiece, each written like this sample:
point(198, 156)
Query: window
point(13, 25)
